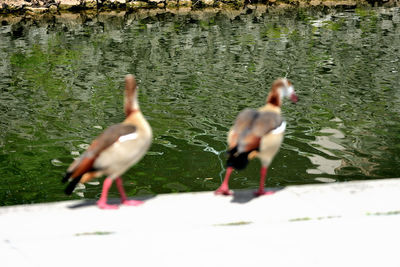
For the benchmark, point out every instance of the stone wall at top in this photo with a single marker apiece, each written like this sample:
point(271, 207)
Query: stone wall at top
point(46, 6)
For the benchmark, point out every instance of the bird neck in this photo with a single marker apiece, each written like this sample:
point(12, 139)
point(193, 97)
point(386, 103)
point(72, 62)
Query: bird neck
point(137, 119)
point(131, 104)
point(271, 108)
point(274, 98)
point(134, 117)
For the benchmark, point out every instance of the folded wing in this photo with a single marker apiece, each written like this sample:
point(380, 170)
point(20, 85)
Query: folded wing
point(246, 134)
point(111, 135)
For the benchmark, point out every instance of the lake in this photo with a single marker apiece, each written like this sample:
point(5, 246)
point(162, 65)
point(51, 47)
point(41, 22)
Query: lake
point(62, 81)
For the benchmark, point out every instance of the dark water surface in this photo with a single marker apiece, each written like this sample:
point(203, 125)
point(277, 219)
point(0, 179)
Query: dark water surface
point(61, 83)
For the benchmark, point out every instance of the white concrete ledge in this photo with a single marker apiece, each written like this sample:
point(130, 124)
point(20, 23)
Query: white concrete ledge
point(340, 224)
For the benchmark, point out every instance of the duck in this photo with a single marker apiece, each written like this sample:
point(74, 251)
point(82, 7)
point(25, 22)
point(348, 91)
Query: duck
point(114, 151)
point(258, 133)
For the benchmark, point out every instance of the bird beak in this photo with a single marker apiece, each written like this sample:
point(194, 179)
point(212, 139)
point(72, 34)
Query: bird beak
point(294, 97)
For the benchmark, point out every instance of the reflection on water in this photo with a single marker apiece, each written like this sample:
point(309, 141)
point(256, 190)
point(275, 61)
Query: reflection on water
point(326, 144)
point(61, 84)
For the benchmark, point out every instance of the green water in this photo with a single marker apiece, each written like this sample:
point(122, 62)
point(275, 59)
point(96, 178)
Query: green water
point(61, 83)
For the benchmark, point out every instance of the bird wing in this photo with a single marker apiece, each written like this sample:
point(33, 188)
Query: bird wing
point(261, 124)
point(114, 133)
point(242, 123)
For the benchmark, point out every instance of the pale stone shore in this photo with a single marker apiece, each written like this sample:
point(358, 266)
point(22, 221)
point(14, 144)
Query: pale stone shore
point(338, 224)
point(55, 6)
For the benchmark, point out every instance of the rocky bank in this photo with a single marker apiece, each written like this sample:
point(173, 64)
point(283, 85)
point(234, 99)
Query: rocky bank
point(56, 6)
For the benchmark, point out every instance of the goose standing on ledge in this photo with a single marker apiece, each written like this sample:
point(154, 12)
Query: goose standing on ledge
point(258, 133)
point(114, 151)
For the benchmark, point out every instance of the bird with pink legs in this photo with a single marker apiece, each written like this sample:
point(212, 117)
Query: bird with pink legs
point(113, 152)
point(258, 133)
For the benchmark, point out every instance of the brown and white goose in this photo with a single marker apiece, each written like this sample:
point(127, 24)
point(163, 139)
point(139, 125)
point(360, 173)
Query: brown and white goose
point(114, 151)
point(258, 133)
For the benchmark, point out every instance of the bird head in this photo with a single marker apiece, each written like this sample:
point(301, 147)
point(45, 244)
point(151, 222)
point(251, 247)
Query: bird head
point(281, 88)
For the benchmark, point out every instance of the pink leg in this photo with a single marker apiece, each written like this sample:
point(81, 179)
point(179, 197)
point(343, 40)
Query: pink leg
point(124, 199)
point(224, 188)
point(261, 191)
point(102, 202)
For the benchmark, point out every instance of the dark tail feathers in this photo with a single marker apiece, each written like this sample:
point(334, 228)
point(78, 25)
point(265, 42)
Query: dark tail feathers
point(66, 177)
point(71, 186)
point(237, 161)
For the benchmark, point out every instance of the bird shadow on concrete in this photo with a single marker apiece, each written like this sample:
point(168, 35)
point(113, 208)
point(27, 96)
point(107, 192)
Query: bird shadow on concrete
point(93, 202)
point(245, 196)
